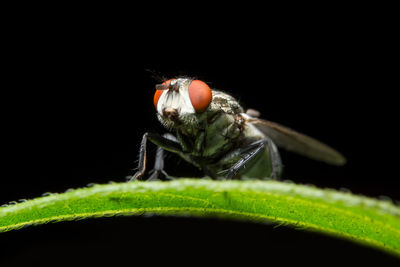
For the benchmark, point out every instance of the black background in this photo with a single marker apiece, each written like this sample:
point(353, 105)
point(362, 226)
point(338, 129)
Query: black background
point(78, 97)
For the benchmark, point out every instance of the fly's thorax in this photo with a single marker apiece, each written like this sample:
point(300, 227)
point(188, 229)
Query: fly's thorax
point(221, 134)
point(225, 103)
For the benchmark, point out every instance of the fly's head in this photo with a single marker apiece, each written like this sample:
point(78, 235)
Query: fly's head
point(182, 102)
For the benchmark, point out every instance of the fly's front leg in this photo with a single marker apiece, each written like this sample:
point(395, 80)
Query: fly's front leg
point(158, 165)
point(142, 159)
point(161, 141)
point(251, 151)
point(159, 160)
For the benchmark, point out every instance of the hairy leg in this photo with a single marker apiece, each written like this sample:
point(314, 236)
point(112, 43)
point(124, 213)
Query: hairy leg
point(165, 142)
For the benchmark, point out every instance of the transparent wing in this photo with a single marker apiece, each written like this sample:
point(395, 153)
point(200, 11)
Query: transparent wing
point(297, 142)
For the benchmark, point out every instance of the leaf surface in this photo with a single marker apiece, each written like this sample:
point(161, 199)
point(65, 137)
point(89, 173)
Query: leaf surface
point(364, 220)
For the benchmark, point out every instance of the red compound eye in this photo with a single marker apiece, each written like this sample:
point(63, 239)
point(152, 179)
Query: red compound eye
point(159, 93)
point(200, 95)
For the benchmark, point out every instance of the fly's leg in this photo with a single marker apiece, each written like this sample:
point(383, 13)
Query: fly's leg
point(158, 165)
point(252, 151)
point(161, 141)
point(248, 153)
point(159, 160)
point(142, 159)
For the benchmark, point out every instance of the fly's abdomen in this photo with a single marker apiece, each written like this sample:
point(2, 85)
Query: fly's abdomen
point(260, 167)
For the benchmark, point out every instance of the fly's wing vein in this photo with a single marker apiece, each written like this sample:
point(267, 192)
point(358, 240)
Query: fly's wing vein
point(297, 142)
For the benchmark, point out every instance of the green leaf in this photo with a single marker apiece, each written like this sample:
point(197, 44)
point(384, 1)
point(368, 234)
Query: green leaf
point(363, 220)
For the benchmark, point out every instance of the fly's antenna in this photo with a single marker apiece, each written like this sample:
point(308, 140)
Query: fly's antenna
point(163, 86)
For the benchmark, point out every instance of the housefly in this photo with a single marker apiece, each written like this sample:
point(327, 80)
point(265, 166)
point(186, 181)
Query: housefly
point(210, 130)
